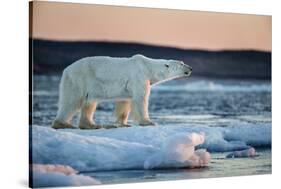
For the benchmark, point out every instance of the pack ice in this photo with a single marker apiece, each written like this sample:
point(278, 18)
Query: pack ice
point(142, 147)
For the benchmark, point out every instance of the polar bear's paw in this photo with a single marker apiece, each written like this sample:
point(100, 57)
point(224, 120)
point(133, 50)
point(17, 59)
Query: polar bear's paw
point(147, 123)
point(61, 125)
point(123, 125)
point(113, 126)
point(89, 126)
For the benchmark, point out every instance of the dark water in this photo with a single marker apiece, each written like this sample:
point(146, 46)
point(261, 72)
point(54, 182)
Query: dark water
point(214, 102)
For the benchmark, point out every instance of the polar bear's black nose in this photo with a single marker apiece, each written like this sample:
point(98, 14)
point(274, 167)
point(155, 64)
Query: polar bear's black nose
point(188, 72)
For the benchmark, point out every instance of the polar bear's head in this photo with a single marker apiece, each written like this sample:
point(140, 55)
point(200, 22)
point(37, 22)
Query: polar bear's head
point(160, 70)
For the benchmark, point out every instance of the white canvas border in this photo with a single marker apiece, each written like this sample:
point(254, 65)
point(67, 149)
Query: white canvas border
point(14, 93)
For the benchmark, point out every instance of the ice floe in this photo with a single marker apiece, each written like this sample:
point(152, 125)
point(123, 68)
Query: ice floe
point(251, 152)
point(90, 153)
point(142, 147)
point(58, 175)
point(179, 151)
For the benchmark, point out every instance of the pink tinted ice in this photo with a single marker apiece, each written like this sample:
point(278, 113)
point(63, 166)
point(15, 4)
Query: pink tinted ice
point(251, 152)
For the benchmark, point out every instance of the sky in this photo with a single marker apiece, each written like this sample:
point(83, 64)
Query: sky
point(165, 27)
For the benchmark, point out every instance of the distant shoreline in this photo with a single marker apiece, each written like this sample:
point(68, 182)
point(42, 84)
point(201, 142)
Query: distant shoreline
point(51, 57)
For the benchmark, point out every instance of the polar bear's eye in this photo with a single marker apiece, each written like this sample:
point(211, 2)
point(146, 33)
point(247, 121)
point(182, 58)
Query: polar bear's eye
point(167, 65)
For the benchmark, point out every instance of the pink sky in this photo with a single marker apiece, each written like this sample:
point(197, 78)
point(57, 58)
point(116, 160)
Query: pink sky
point(177, 28)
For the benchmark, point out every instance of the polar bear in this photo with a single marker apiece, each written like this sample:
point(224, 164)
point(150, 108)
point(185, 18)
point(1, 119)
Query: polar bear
point(124, 80)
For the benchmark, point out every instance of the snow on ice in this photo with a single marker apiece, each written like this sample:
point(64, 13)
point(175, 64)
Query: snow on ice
point(142, 147)
point(59, 175)
point(251, 152)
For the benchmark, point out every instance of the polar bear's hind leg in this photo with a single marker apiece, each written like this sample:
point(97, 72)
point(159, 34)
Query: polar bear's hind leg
point(64, 116)
point(122, 111)
point(68, 104)
point(86, 118)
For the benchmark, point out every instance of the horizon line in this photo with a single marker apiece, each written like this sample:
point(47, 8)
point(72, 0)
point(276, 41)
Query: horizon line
point(148, 44)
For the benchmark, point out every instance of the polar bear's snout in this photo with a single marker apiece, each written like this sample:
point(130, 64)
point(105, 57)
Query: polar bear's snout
point(187, 70)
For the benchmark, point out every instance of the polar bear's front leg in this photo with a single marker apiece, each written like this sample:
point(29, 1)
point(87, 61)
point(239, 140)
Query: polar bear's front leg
point(139, 111)
point(140, 105)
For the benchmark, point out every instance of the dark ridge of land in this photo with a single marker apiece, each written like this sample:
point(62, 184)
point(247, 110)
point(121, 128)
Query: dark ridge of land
point(53, 56)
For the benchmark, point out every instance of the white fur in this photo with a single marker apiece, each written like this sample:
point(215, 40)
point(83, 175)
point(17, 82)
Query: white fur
point(125, 80)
